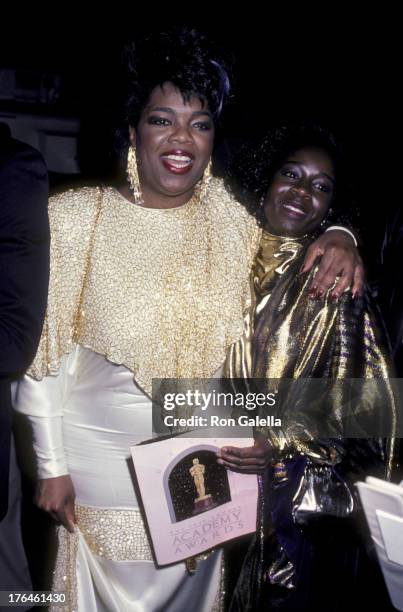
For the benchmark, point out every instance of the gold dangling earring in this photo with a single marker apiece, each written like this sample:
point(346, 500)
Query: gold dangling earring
point(133, 175)
point(205, 181)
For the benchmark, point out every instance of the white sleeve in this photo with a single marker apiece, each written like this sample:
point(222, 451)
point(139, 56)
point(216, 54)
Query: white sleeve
point(42, 402)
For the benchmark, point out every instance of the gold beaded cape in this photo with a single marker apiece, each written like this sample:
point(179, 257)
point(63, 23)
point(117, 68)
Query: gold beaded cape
point(162, 292)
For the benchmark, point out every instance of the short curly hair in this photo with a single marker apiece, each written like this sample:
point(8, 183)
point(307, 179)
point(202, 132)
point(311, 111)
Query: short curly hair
point(251, 170)
point(182, 56)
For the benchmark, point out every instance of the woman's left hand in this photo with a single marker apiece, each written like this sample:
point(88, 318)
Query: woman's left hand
point(339, 258)
point(247, 460)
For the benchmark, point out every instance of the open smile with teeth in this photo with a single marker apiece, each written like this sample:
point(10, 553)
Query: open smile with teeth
point(294, 209)
point(178, 161)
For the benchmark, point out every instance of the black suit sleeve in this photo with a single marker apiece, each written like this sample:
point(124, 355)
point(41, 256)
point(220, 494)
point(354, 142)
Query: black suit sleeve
point(24, 257)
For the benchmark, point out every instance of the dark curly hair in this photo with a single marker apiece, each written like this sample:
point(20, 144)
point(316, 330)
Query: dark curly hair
point(251, 170)
point(182, 56)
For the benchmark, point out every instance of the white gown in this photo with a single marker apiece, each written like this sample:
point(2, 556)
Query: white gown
point(94, 413)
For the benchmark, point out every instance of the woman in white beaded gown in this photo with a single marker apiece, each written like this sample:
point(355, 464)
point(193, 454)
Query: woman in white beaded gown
point(148, 281)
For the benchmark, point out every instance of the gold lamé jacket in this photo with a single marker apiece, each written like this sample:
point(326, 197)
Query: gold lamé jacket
point(290, 336)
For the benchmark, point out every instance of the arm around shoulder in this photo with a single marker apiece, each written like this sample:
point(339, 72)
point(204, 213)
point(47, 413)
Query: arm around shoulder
point(24, 257)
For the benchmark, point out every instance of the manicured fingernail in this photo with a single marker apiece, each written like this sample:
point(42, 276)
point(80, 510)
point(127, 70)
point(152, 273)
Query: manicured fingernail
point(224, 449)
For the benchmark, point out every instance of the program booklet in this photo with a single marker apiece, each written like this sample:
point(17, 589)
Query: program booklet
point(383, 507)
point(191, 502)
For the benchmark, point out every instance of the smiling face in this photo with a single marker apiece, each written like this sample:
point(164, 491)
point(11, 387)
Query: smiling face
point(174, 141)
point(300, 192)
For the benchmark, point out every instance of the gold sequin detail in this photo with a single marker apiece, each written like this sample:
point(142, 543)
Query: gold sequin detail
point(65, 575)
point(219, 602)
point(192, 564)
point(166, 290)
point(117, 535)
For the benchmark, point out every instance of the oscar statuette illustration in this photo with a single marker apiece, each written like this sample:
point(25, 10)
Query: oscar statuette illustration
point(204, 500)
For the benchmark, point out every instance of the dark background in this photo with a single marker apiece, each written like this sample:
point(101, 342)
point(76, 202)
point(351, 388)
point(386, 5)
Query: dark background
point(291, 62)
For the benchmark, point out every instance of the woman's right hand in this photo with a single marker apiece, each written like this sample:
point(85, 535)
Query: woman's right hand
point(56, 496)
point(248, 459)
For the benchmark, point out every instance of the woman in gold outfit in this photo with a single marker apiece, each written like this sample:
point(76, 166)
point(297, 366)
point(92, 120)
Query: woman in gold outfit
point(311, 513)
point(148, 281)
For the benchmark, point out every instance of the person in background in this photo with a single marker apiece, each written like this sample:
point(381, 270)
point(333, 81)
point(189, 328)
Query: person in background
point(384, 250)
point(24, 272)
